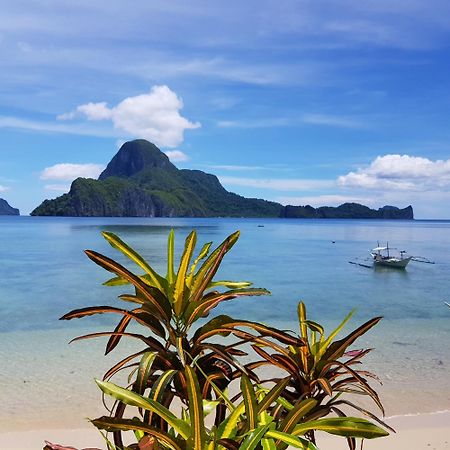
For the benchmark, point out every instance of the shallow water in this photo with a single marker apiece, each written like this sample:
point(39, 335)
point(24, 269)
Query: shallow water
point(45, 274)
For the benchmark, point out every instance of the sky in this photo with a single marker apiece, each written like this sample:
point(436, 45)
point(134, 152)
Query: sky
point(302, 102)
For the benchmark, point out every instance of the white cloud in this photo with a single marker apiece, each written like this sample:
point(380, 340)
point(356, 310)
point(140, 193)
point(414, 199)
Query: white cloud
point(50, 127)
point(236, 168)
point(257, 123)
point(402, 172)
point(57, 187)
point(3, 188)
point(331, 120)
point(68, 171)
point(176, 155)
point(278, 184)
point(309, 119)
point(154, 116)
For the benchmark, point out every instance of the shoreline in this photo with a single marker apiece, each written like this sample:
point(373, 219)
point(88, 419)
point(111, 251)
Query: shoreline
point(418, 431)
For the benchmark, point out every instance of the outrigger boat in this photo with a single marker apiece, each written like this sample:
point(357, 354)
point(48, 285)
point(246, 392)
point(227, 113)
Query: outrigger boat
point(381, 257)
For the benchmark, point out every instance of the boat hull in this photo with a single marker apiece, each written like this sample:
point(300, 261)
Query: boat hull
point(392, 262)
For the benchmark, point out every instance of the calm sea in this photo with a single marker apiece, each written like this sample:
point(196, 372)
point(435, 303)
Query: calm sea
point(44, 273)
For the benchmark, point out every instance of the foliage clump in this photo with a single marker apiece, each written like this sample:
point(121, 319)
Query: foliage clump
point(190, 368)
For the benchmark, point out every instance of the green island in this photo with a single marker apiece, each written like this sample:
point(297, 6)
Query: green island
point(140, 181)
point(7, 210)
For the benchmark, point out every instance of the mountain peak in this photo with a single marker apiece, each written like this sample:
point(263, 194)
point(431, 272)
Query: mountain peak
point(133, 157)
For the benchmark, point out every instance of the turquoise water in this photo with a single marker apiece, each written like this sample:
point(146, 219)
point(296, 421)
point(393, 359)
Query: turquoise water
point(44, 273)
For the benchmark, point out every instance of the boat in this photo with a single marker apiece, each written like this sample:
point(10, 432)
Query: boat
point(382, 257)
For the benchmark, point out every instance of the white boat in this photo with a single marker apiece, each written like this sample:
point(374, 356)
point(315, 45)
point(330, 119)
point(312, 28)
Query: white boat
point(382, 257)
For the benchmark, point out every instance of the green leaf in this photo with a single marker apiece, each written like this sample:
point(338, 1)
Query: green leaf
point(203, 254)
point(144, 371)
point(120, 245)
point(159, 386)
point(314, 326)
point(147, 292)
point(296, 414)
point(228, 428)
point(254, 437)
point(180, 283)
point(268, 444)
point(273, 394)
point(112, 424)
point(133, 399)
point(248, 394)
point(210, 266)
point(198, 435)
point(230, 284)
point(338, 348)
point(291, 440)
point(324, 345)
point(343, 426)
point(170, 257)
point(115, 281)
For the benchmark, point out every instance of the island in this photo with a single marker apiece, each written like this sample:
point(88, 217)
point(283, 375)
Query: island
point(140, 181)
point(7, 210)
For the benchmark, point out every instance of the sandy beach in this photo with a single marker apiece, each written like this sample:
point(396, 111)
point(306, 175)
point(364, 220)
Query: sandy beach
point(414, 432)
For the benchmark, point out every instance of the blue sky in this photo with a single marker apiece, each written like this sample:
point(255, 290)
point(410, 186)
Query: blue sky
point(301, 102)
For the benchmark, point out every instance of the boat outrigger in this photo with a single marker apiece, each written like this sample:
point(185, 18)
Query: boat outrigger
point(382, 257)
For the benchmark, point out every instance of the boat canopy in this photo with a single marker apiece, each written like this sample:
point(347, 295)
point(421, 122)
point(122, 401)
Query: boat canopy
point(377, 249)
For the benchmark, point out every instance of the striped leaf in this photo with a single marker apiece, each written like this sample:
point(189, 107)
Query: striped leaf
point(338, 348)
point(293, 441)
point(210, 266)
point(196, 414)
point(296, 414)
point(254, 437)
point(268, 443)
point(326, 343)
point(170, 256)
point(343, 426)
point(133, 399)
point(115, 338)
point(273, 394)
point(162, 307)
point(227, 429)
point(111, 424)
point(180, 283)
point(203, 254)
point(248, 394)
point(120, 245)
point(144, 371)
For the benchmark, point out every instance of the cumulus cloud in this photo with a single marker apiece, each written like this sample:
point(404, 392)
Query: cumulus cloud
point(401, 172)
point(154, 116)
point(3, 188)
point(68, 171)
point(176, 155)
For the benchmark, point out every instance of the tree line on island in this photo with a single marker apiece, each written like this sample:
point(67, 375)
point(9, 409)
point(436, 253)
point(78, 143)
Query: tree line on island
point(140, 181)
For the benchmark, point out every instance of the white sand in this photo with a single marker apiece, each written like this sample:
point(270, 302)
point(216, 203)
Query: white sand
point(418, 432)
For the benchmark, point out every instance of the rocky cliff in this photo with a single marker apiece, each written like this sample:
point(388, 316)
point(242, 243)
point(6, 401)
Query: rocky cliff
point(7, 210)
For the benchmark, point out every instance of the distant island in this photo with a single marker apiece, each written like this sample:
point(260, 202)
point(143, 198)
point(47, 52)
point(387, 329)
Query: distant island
point(7, 210)
point(140, 181)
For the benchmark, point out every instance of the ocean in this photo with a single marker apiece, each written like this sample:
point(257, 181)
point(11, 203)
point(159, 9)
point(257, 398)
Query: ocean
point(45, 273)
